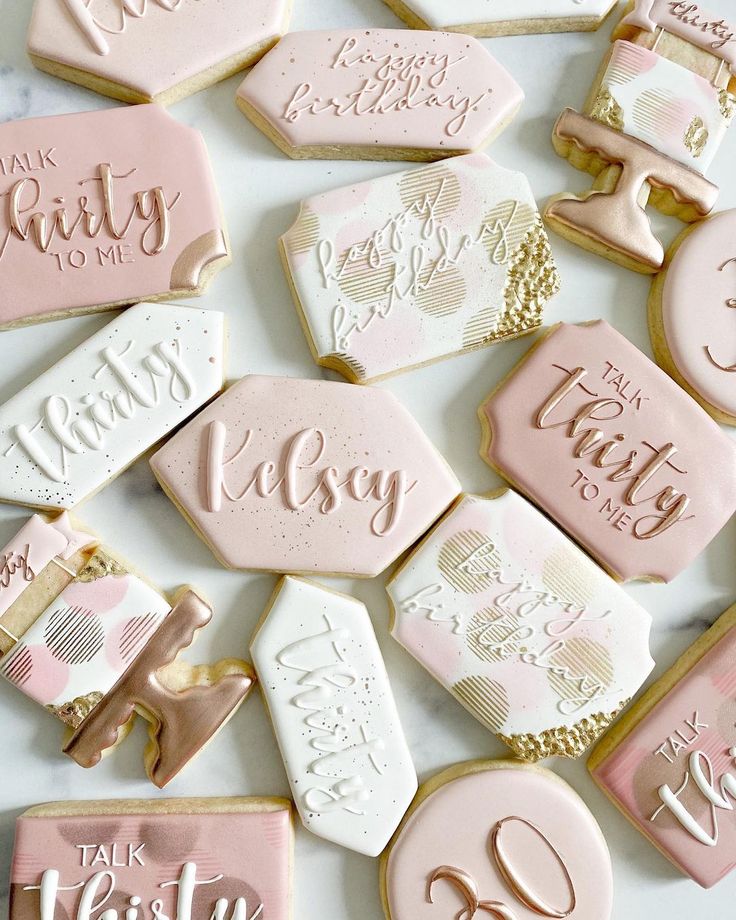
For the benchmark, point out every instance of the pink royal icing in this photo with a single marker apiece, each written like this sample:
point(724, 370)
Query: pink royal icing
point(613, 450)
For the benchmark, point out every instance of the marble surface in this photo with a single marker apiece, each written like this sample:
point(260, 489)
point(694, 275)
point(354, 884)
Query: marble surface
point(261, 189)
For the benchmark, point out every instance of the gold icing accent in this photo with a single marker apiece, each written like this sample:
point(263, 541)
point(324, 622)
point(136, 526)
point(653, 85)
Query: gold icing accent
point(100, 566)
point(76, 711)
point(562, 574)
point(561, 742)
point(696, 137)
point(424, 185)
point(364, 283)
point(305, 232)
point(187, 271)
point(727, 104)
point(606, 110)
point(445, 295)
point(532, 280)
point(467, 561)
point(510, 221)
point(486, 699)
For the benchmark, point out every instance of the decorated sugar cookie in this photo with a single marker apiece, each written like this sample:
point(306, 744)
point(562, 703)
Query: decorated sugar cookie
point(501, 839)
point(669, 763)
point(103, 209)
point(692, 314)
point(613, 450)
point(407, 269)
point(137, 858)
point(152, 50)
point(306, 476)
point(379, 94)
point(85, 420)
point(520, 626)
point(511, 17)
point(653, 123)
point(328, 694)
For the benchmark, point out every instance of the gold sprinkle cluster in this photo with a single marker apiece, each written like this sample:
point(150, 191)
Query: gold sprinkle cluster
point(561, 742)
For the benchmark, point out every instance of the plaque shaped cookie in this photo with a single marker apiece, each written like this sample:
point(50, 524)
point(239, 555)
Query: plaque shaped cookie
point(692, 314)
point(411, 268)
point(669, 764)
point(613, 450)
point(103, 209)
point(152, 50)
point(87, 418)
point(497, 838)
point(511, 17)
point(379, 94)
point(329, 697)
point(306, 476)
point(220, 857)
point(538, 643)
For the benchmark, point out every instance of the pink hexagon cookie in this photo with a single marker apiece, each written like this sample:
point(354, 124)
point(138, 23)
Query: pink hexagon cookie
point(306, 476)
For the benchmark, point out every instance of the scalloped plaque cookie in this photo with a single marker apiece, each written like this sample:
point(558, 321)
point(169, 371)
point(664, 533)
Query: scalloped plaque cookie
point(103, 209)
point(538, 643)
point(501, 839)
point(219, 857)
point(87, 418)
point(306, 476)
point(328, 694)
point(379, 94)
point(411, 268)
point(152, 50)
point(613, 450)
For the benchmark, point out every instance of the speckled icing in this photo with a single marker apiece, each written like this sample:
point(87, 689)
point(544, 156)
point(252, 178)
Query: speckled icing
point(151, 46)
point(94, 412)
point(304, 476)
point(421, 265)
point(613, 450)
point(329, 697)
point(674, 775)
point(664, 104)
point(506, 833)
point(388, 88)
point(142, 213)
point(539, 644)
point(439, 14)
point(698, 303)
point(197, 857)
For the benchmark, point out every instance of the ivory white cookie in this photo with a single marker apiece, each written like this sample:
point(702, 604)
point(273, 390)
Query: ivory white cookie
point(411, 268)
point(87, 418)
point(328, 694)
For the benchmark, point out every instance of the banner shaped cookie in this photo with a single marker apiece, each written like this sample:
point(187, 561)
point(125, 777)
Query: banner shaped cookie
point(539, 644)
point(407, 269)
point(509, 17)
point(306, 476)
point(103, 209)
point(613, 450)
point(85, 420)
point(94, 644)
point(328, 694)
point(501, 839)
point(165, 858)
point(670, 764)
point(379, 94)
point(152, 50)
point(691, 314)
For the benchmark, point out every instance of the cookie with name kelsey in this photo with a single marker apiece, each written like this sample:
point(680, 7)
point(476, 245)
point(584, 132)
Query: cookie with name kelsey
point(379, 94)
point(86, 419)
point(196, 857)
point(670, 763)
point(524, 630)
point(691, 314)
point(306, 477)
point(509, 17)
point(497, 838)
point(103, 209)
point(408, 269)
point(152, 50)
point(94, 643)
point(329, 697)
point(613, 450)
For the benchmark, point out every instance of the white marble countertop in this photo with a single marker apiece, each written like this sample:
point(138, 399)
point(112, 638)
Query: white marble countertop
point(261, 189)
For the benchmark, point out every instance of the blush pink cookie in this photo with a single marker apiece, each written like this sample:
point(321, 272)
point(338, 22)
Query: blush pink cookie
point(670, 763)
point(104, 209)
point(497, 838)
point(306, 476)
point(196, 857)
point(613, 450)
point(692, 314)
point(379, 94)
point(152, 50)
